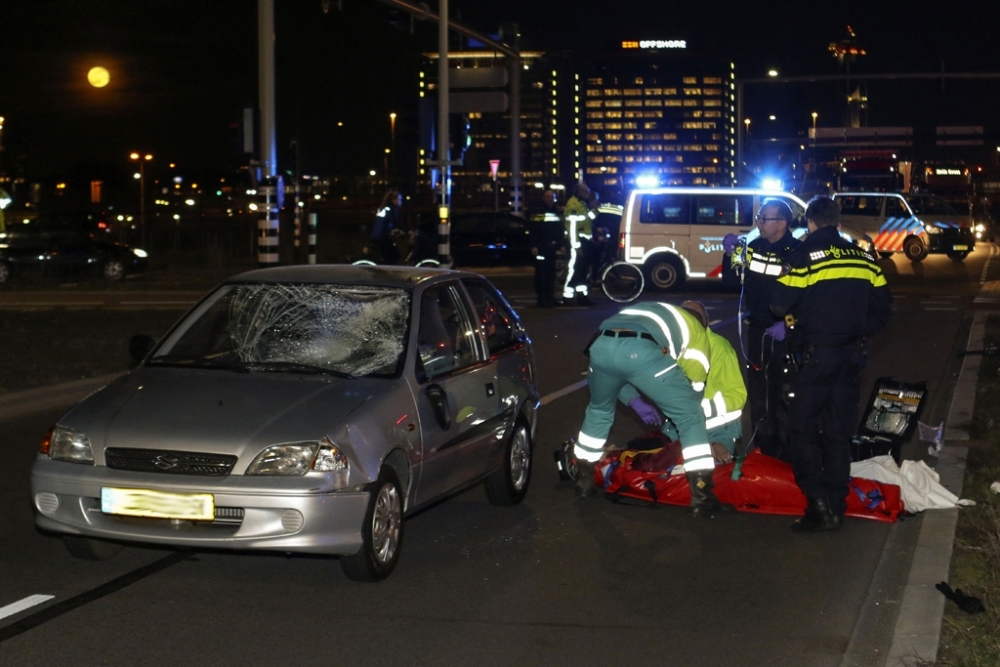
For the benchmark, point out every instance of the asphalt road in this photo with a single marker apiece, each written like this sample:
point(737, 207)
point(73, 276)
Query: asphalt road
point(555, 581)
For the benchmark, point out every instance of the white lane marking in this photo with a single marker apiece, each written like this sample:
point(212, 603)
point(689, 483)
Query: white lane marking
point(21, 605)
point(562, 392)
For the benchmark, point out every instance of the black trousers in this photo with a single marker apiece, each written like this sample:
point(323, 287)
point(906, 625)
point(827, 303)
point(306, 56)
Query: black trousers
point(545, 277)
point(823, 415)
point(767, 376)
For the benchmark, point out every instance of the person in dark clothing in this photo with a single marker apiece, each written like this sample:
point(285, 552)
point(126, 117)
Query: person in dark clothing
point(767, 371)
point(386, 221)
point(547, 238)
point(838, 298)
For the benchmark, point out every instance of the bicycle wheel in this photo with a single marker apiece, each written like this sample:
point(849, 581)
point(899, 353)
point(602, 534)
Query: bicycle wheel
point(622, 282)
point(364, 262)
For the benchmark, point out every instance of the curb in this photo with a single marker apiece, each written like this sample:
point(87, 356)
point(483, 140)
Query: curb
point(917, 634)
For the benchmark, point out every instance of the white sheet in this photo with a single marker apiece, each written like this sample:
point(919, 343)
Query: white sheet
point(920, 486)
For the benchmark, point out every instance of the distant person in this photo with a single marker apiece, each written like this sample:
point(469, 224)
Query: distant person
point(386, 221)
point(578, 223)
point(838, 298)
point(547, 238)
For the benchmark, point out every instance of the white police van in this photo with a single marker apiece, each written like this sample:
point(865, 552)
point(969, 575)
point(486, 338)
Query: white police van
point(675, 233)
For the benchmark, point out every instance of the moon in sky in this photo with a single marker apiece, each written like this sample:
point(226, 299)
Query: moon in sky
point(98, 77)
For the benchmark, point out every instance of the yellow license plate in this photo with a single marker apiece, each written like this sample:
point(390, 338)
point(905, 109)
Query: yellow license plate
point(158, 504)
point(960, 247)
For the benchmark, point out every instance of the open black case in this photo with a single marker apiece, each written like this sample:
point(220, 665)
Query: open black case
point(888, 418)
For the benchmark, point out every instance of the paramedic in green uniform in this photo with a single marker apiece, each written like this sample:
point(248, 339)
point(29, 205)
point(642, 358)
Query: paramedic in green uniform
point(662, 351)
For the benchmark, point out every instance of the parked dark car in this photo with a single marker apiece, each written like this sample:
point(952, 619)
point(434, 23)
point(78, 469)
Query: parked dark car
point(490, 238)
point(57, 243)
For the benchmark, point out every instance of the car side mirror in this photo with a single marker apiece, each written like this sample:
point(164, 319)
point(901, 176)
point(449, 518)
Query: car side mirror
point(439, 403)
point(139, 346)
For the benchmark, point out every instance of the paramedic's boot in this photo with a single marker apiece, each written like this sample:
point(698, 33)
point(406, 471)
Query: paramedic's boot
point(818, 517)
point(704, 503)
point(584, 482)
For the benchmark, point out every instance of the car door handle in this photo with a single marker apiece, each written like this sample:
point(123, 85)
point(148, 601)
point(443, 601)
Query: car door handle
point(439, 404)
point(489, 389)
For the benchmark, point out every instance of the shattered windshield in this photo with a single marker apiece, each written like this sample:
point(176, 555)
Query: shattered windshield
point(352, 331)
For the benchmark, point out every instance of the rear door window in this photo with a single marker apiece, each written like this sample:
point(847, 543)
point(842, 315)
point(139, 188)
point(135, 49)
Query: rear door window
point(666, 209)
point(894, 208)
point(724, 210)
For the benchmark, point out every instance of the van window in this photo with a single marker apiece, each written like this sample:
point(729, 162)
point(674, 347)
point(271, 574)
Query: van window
point(666, 209)
point(724, 210)
point(861, 205)
point(894, 208)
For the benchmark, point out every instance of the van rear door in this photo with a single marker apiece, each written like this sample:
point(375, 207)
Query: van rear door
point(716, 215)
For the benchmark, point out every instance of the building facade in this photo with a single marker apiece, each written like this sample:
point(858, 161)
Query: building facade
point(650, 116)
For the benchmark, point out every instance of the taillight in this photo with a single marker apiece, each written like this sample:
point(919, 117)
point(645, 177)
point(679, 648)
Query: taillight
point(621, 241)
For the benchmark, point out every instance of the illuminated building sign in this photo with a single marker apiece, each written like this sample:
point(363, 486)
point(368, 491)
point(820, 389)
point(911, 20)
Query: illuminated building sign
point(655, 44)
point(948, 172)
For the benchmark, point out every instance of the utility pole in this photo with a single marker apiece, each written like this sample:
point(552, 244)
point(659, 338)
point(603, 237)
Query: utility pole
point(269, 192)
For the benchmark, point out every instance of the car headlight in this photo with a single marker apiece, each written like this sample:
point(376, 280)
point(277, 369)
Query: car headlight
point(933, 229)
point(64, 444)
point(140, 253)
point(980, 228)
point(296, 459)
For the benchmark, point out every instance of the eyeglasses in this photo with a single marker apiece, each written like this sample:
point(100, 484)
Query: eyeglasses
point(760, 219)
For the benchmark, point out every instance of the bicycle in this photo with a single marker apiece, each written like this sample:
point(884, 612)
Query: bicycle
point(415, 252)
point(618, 280)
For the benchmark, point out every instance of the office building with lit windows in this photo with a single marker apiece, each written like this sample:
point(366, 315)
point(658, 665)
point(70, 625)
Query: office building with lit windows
point(651, 115)
point(489, 126)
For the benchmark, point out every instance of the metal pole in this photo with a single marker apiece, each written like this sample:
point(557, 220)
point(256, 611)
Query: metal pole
point(267, 222)
point(443, 153)
point(312, 238)
point(517, 183)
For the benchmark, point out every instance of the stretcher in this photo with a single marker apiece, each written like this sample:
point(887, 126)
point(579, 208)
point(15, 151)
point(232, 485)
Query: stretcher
point(756, 483)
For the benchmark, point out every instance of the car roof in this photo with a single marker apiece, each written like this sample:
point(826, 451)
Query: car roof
point(348, 274)
point(706, 190)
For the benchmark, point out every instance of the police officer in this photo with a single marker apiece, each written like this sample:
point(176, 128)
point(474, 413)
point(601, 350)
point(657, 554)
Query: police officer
point(838, 298)
point(578, 222)
point(662, 351)
point(766, 368)
point(547, 237)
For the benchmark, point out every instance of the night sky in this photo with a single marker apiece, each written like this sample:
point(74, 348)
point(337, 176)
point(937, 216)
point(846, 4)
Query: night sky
point(182, 70)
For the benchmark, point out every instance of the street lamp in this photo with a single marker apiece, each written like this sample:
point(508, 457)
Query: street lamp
point(142, 160)
point(392, 143)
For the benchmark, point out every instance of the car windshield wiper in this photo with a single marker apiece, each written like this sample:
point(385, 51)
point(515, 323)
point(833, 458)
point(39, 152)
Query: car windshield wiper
point(293, 367)
point(199, 362)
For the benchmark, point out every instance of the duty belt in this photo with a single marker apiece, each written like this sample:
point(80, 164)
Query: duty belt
point(627, 334)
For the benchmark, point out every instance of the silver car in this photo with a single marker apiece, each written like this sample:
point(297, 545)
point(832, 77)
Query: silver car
point(300, 409)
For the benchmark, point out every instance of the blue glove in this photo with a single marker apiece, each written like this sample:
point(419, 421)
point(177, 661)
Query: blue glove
point(729, 243)
point(776, 331)
point(646, 412)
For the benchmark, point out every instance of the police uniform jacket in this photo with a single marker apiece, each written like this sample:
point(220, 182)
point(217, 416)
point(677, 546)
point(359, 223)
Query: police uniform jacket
point(547, 232)
point(762, 266)
point(835, 290)
point(578, 220)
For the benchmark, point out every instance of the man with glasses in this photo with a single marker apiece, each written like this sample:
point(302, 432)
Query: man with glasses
point(765, 351)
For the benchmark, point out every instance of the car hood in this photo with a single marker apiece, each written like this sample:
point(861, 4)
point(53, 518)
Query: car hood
point(216, 411)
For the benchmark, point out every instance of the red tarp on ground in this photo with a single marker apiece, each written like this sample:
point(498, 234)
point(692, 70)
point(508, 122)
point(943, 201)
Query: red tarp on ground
point(766, 485)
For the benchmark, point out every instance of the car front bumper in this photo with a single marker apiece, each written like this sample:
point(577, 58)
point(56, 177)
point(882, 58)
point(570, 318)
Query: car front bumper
point(952, 240)
point(252, 513)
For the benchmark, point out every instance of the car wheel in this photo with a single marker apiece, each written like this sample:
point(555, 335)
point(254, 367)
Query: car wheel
point(886, 255)
point(665, 272)
point(957, 255)
point(915, 249)
point(114, 270)
point(86, 548)
point(4, 272)
point(382, 532)
point(509, 484)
